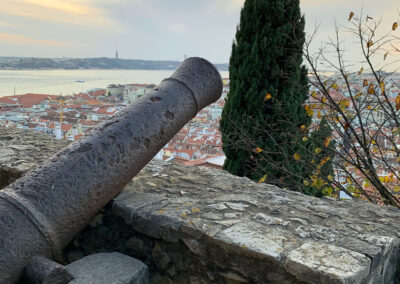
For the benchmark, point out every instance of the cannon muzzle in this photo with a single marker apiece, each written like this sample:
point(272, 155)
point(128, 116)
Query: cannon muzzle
point(41, 212)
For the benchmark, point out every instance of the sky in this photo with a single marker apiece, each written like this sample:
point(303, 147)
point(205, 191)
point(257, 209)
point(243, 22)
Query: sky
point(152, 29)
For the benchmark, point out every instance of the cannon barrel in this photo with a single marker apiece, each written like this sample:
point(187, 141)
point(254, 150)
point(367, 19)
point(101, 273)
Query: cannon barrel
point(41, 212)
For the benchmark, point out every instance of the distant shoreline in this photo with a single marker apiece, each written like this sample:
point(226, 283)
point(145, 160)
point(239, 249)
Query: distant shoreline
point(101, 63)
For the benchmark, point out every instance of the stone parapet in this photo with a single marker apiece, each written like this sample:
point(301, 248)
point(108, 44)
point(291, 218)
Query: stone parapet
point(226, 227)
point(200, 225)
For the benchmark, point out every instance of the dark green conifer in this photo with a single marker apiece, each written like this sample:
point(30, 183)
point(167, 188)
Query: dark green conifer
point(268, 87)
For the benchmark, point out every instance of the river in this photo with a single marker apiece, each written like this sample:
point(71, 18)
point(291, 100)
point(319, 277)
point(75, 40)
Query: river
point(66, 82)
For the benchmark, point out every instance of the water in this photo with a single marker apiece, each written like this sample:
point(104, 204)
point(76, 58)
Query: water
point(63, 82)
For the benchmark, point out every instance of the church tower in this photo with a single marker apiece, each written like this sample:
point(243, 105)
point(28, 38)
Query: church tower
point(116, 54)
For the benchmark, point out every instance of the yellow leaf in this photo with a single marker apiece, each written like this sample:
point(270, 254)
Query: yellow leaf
point(335, 86)
point(327, 141)
point(314, 94)
point(302, 126)
point(324, 100)
point(369, 107)
point(344, 103)
point(395, 25)
point(371, 89)
point(319, 114)
point(358, 95)
point(382, 85)
point(385, 55)
point(317, 150)
point(318, 182)
point(398, 102)
point(327, 191)
point(370, 43)
point(365, 83)
point(397, 189)
point(305, 139)
point(267, 97)
point(351, 16)
point(361, 70)
point(306, 182)
point(296, 157)
point(263, 179)
point(373, 142)
point(330, 177)
point(184, 215)
point(258, 150)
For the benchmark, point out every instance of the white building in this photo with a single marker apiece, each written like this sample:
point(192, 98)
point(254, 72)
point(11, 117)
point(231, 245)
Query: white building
point(134, 91)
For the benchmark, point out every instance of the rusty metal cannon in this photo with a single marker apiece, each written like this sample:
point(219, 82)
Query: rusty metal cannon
point(42, 212)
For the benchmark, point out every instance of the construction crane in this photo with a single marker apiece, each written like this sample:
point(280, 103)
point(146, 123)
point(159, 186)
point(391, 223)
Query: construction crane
point(61, 101)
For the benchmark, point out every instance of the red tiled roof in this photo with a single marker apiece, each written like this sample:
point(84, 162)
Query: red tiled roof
point(88, 122)
point(27, 100)
point(66, 127)
point(180, 160)
point(77, 137)
point(98, 93)
point(93, 102)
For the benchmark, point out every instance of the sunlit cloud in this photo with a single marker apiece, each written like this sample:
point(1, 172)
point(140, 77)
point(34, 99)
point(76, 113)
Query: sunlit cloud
point(82, 13)
point(23, 40)
point(62, 5)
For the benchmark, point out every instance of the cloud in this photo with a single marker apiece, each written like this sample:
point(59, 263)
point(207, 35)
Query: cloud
point(62, 5)
point(23, 40)
point(81, 13)
point(4, 24)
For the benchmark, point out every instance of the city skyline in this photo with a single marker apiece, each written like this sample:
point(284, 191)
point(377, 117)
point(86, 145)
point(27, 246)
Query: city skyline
point(151, 29)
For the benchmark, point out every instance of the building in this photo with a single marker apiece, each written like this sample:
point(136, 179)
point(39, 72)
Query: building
point(134, 91)
point(115, 91)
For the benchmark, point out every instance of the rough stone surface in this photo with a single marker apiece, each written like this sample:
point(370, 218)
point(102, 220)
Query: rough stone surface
point(199, 225)
point(21, 150)
point(301, 238)
point(108, 268)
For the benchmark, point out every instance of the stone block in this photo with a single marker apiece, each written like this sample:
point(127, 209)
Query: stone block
point(108, 268)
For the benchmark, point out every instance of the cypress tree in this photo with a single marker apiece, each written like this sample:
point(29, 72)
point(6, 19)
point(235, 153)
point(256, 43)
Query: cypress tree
point(264, 119)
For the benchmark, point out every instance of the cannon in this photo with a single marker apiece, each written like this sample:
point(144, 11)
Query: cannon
point(41, 212)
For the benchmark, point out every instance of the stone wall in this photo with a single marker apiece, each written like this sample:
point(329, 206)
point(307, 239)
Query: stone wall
point(198, 225)
point(21, 150)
